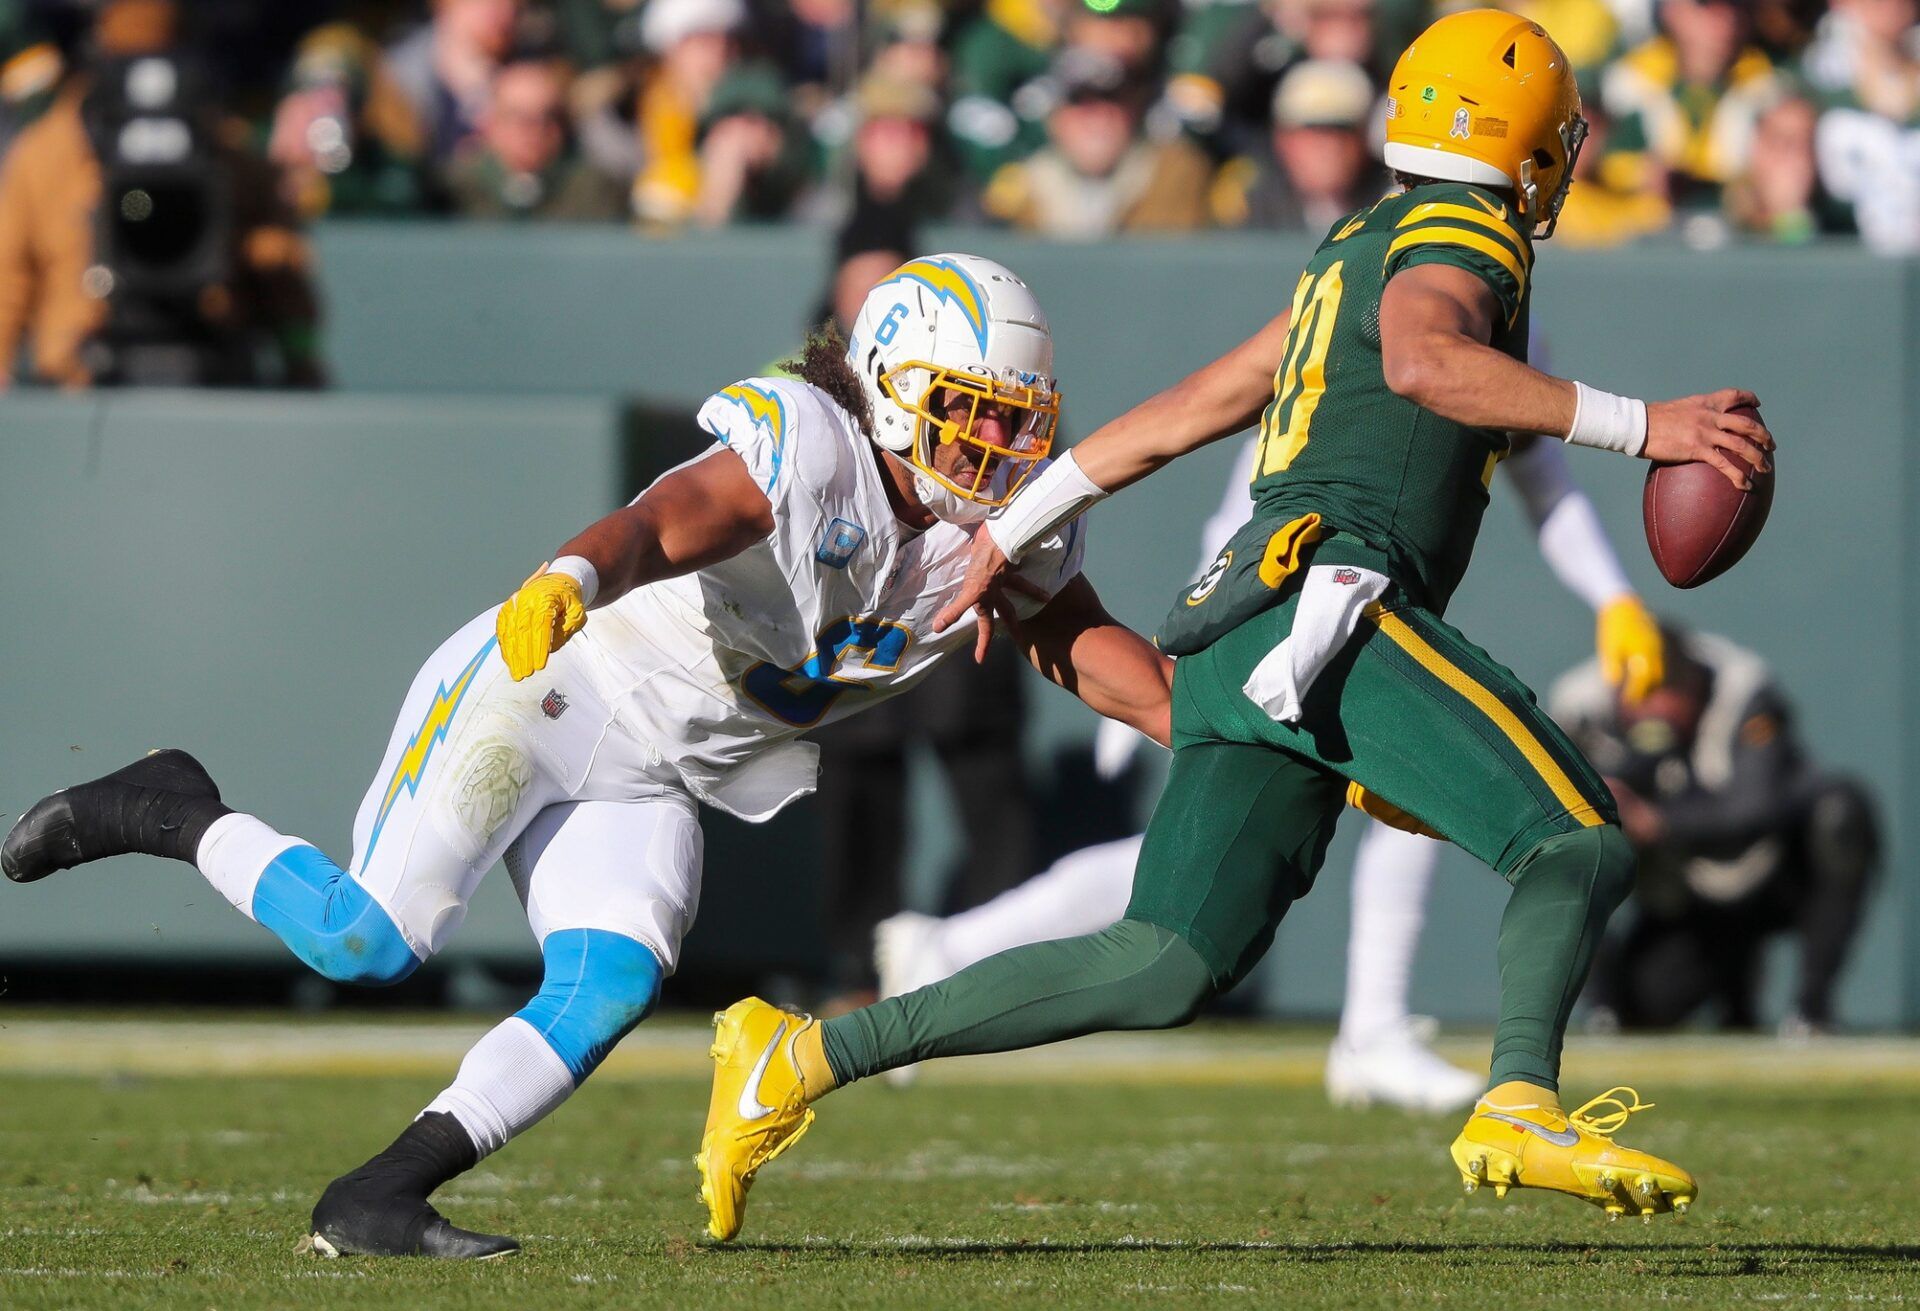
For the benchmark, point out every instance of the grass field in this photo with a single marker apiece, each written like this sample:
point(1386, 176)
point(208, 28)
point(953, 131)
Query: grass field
point(166, 1164)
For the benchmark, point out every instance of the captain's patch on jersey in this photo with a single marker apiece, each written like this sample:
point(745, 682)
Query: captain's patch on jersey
point(838, 543)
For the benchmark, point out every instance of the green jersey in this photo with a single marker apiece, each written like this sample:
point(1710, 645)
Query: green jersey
point(1397, 489)
point(1337, 442)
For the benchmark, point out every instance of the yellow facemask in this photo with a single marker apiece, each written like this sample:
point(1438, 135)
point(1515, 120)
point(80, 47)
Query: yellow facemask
point(997, 470)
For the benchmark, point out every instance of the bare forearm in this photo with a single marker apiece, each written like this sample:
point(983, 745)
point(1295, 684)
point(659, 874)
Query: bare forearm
point(624, 550)
point(1076, 644)
point(697, 515)
point(1217, 401)
point(1460, 379)
point(1119, 674)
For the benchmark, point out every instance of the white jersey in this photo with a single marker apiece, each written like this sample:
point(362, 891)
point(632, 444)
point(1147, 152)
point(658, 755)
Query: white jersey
point(722, 670)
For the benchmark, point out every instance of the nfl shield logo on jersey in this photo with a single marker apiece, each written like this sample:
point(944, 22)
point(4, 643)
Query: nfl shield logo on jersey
point(553, 704)
point(838, 543)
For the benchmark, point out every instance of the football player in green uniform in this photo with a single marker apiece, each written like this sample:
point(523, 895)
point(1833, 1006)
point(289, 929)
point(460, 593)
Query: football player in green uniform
point(1315, 664)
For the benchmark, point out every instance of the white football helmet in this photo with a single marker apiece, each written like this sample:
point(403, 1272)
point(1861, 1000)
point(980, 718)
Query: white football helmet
point(949, 331)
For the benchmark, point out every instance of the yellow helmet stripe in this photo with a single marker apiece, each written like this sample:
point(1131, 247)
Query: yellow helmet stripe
point(1479, 241)
point(1441, 210)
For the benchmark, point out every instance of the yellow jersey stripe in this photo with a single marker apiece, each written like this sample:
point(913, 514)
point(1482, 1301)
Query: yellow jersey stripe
point(1435, 209)
point(1401, 634)
point(1479, 241)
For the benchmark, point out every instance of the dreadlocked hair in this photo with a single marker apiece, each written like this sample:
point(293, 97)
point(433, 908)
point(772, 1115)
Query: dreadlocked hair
point(823, 364)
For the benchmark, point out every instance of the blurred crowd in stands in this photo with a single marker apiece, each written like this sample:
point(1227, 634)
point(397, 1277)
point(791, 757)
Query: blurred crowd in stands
point(1768, 120)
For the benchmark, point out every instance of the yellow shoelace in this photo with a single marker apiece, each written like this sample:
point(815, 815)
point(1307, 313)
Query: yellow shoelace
point(1607, 1123)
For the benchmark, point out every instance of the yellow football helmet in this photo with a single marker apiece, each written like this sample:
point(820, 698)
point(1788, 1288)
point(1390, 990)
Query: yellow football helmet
point(1486, 97)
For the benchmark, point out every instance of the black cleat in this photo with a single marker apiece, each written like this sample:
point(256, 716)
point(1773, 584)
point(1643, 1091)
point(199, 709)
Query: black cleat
point(381, 1209)
point(365, 1216)
point(161, 805)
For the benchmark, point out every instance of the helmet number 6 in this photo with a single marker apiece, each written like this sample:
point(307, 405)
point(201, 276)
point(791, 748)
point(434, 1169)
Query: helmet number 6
point(890, 326)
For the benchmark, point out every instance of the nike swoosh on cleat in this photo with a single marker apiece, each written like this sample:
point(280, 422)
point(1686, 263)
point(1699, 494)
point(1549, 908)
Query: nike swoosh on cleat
point(1558, 1137)
point(751, 1107)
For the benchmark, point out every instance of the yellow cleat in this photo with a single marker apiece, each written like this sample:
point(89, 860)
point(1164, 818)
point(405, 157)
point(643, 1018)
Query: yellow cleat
point(758, 1108)
point(1541, 1146)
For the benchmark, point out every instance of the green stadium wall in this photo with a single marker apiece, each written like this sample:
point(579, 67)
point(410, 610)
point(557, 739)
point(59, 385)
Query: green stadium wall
point(258, 577)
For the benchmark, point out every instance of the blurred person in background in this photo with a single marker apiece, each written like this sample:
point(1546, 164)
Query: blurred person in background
point(1866, 54)
point(816, 44)
point(446, 67)
point(1228, 58)
point(596, 33)
point(1319, 167)
point(1005, 66)
point(31, 67)
point(909, 48)
point(1597, 212)
point(522, 165)
point(180, 270)
point(1778, 198)
point(692, 44)
point(1864, 68)
point(1588, 30)
point(753, 162)
point(1100, 174)
point(345, 138)
point(890, 161)
point(1684, 104)
point(1740, 837)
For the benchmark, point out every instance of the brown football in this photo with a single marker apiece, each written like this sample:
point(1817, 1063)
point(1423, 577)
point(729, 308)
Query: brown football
point(1698, 523)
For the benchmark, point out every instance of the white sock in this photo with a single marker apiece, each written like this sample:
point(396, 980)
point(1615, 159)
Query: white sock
point(1082, 892)
point(508, 1082)
point(234, 852)
point(1391, 876)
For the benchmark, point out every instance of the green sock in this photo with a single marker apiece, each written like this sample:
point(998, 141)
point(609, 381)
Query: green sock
point(1563, 892)
point(1133, 975)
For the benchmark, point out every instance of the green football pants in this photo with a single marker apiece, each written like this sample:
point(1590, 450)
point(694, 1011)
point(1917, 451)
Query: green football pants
point(1410, 710)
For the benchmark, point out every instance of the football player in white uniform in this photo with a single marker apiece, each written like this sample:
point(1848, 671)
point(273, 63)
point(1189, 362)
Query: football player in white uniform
point(1382, 1053)
point(672, 654)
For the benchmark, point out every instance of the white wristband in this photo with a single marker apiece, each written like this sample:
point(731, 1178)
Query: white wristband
point(1607, 422)
point(1060, 492)
point(581, 570)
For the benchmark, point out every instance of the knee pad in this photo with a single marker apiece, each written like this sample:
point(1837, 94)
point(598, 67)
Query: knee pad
point(329, 921)
point(598, 985)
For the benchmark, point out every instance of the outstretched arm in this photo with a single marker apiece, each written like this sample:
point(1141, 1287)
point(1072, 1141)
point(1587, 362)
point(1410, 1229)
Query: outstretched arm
point(1214, 402)
point(1217, 401)
point(1077, 644)
point(1436, 321)
point(696, 515)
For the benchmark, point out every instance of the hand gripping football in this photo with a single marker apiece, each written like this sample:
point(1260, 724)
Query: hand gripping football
point(1698, 523)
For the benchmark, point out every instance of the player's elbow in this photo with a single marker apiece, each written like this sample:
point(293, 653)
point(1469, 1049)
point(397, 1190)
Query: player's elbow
point(1415, 374)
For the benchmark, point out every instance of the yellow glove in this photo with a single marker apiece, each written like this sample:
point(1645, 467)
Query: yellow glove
point(537, 620)
point(1632, 655)
point(1386, 812)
